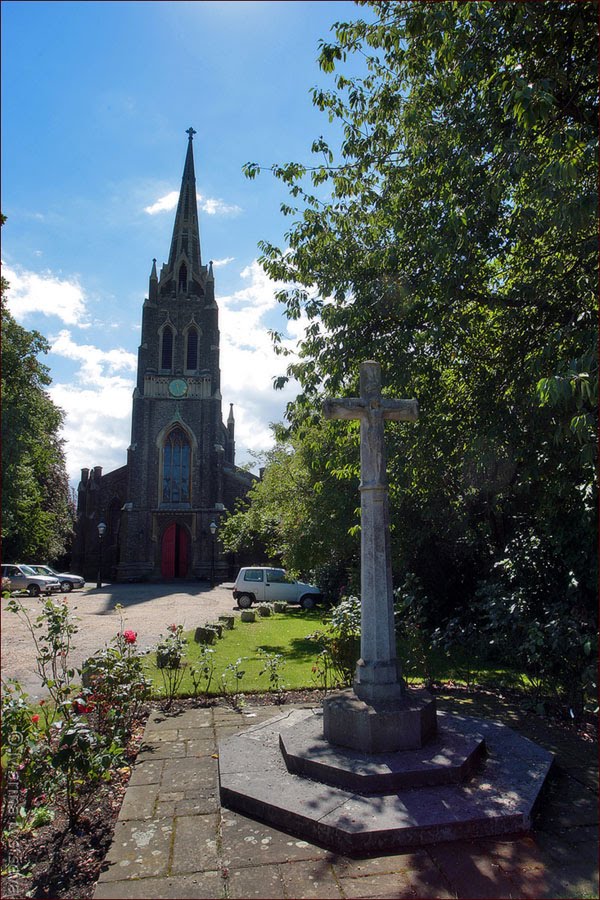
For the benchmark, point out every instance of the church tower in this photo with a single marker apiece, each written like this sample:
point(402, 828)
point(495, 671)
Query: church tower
point(180, 475)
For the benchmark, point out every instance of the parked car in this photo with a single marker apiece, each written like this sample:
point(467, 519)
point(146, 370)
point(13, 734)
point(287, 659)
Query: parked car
point(257, 584)
point(24, 578)
point(67, 582)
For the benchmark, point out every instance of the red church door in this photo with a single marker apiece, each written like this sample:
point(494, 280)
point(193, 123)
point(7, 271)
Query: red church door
point(175, 552)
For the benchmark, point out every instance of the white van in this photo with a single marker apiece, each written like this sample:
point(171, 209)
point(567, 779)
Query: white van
point(259, 584)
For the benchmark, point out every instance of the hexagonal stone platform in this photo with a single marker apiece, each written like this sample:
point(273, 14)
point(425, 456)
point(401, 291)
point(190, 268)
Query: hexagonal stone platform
point(498, 798)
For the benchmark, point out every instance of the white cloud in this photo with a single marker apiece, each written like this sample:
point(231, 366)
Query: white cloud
point(97, 427)
point(212, 206)
point(217, 263)
point(249, 362)
point(163, 204)
point(97, 404)
point(46, 293)
point(98, 367)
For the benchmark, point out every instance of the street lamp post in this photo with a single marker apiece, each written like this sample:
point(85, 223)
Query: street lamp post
point(213, 531)
point(101, 531)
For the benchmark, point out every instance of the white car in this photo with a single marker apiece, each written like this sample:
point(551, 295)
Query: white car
point(67, 582)
point(259, 584)
point(24, 578)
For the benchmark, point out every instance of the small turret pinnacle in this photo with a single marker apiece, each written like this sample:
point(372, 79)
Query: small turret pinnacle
point(153, 283)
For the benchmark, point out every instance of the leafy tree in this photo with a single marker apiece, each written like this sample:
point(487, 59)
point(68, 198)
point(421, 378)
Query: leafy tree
point(452, 236)
point(296, 511)
point(37, 517)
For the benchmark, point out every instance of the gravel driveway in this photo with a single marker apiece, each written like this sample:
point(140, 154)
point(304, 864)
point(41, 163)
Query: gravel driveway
point(147, 609)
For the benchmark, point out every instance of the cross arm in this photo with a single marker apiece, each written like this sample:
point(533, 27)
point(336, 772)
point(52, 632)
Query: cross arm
point(400, 410)
point(348, 408)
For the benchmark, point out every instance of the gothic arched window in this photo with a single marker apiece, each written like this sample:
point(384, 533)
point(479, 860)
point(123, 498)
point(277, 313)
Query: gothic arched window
point(191, 350)
point(166, 348)
point(176, 467)
point(183, 277)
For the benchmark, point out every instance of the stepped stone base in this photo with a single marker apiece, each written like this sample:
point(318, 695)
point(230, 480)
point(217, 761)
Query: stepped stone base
point(498, 798)
point(403, 724)
point(447, 759)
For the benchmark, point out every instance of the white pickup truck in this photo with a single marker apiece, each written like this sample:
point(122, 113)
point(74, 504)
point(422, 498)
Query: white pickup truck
point(257, 584)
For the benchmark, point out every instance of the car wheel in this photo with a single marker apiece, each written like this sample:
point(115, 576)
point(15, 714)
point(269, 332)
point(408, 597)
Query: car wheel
point(33, 590)
point(308, 603)
point(66, 586)
point(244, 601)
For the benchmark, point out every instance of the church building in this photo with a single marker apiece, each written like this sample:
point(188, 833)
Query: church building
point(162, 510)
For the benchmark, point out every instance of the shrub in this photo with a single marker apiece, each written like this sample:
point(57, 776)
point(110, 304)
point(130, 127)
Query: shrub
point(203, 671)
point(26, 774)
point(410, 619)
point(340, 642)
point(115, 687)
point(273, 664)
point(170, 651)
point(80, 741)
point(52, 632)
point(231, 680)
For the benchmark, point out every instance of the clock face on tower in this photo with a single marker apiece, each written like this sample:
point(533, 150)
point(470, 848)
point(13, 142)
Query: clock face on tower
point(178, 387)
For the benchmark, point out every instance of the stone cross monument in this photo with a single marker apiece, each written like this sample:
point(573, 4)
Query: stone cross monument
point(373, 773)
point(378, 685)
point(378, 675)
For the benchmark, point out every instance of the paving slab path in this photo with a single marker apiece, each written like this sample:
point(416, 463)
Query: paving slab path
point(146, 608)
point(174, 840)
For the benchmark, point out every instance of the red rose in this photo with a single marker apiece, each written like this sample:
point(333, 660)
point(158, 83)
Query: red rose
point(35, 719)
point(130, 637)
point(80, 706)
point(173, 627)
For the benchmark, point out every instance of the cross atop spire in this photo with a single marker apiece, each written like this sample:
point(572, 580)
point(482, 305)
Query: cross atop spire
point(191, 133)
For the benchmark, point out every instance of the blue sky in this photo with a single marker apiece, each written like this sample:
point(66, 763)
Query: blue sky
point(96, 100)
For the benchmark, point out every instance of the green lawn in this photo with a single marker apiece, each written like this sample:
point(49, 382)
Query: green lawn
point(283, 633)
point(286, 634)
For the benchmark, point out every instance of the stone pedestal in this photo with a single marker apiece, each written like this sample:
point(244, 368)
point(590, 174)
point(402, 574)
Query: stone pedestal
point(404, 723)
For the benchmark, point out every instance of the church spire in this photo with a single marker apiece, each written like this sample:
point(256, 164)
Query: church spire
point(184, 268)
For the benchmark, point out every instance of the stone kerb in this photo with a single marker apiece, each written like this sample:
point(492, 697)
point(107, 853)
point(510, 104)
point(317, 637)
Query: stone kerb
point(205, 634)
point(265, 609)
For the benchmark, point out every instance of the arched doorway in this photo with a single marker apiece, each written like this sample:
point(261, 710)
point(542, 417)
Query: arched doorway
point(175, 552)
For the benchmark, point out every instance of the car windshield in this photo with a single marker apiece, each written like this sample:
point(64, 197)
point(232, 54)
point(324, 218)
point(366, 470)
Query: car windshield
point(43, 570)
point(28, 570)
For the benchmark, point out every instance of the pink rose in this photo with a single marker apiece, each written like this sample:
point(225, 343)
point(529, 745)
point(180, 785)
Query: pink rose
point(130, 637)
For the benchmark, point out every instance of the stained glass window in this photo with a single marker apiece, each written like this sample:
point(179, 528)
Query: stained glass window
point(176, 468)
